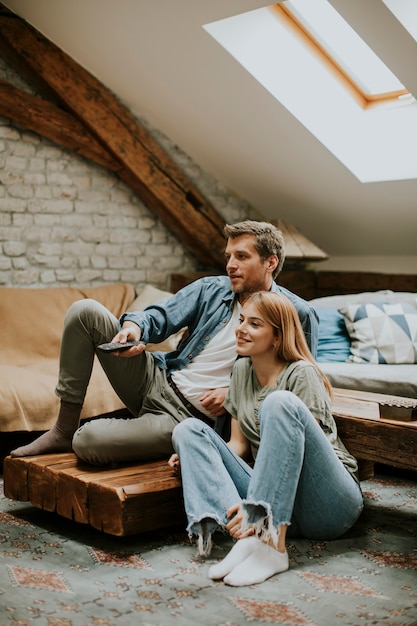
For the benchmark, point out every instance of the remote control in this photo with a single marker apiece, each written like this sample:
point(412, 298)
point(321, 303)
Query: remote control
point(114, 346)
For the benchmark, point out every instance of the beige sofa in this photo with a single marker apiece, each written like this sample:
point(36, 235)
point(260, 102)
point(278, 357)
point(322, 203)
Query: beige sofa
point(30, 336)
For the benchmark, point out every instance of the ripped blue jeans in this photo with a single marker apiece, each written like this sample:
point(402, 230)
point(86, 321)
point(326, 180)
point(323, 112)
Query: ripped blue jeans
point(297, 478)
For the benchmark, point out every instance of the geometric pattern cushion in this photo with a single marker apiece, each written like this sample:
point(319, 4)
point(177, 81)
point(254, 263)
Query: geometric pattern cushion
point(382, 332)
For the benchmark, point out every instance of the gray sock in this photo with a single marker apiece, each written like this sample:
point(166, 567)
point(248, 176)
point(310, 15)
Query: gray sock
point(59, 438)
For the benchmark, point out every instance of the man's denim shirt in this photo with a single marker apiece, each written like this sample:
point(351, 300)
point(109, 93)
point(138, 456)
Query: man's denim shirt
point(204, 306)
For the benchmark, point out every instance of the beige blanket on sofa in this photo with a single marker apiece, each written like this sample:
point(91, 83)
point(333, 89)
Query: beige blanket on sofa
point(31, 322)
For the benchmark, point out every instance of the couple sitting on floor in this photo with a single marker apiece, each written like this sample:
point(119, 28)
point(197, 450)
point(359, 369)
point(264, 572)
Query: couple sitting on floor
point(283, 466)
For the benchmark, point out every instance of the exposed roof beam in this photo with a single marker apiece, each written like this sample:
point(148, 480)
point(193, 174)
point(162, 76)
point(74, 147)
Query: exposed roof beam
point(45, 119)
point(144, 165)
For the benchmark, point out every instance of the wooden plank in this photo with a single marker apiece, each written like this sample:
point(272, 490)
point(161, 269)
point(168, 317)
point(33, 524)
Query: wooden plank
point(301, 282)
point(15, 483)
point(117, 500)
point(297, 246)
point(366, 469)
point(42, 478)
point(45, 118)
point(164, 480)
point(72, 495)
point(122, 500)
point(121, 514)
point(145, 166)
point(372, 396)
point(76, 488)
point(72, 487)
point(390, 443)
point(389, 407)
point(25, 479)
point(337, 283)
point(154, 512)
point(351, 407)
point(310, 284)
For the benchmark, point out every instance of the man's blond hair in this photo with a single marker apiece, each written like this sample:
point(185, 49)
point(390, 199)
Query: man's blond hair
point(268, 239)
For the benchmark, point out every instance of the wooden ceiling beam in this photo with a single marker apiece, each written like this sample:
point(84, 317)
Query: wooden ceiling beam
point(47, 120)
point(144, 165)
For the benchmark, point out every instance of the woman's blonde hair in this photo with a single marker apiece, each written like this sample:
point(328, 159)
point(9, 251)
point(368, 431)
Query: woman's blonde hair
point(291, 345)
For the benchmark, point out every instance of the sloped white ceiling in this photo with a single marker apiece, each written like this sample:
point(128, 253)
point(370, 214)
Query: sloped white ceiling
point(155, 55)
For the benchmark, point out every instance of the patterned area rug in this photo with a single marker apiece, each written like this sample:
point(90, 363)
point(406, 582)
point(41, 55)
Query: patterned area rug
point(57, 573)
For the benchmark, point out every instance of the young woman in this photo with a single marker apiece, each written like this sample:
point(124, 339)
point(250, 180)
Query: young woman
point(303, 479)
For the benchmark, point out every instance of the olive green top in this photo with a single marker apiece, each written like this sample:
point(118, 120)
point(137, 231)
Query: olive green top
point(245, 396)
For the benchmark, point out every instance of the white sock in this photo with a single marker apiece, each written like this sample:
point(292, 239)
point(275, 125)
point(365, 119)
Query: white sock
point(240, 551)
point(260, 565)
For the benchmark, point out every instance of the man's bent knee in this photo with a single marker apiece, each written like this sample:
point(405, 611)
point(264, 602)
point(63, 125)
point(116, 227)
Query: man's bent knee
point(112, 440)
point(86, 442)
point(81, 308)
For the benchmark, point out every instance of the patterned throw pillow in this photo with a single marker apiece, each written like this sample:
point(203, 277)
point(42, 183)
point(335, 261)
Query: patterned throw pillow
point(382, 332)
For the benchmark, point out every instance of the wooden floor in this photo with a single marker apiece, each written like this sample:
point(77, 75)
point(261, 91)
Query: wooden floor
point(146, 496)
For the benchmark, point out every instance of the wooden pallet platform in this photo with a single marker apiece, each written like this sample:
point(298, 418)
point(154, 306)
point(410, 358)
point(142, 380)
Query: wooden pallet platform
point(372, 438)
point(119, 501)
point(146, 496)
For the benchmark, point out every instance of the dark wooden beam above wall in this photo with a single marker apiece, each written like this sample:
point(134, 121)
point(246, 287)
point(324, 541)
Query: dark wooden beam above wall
point(46, 119)
point(90, 109)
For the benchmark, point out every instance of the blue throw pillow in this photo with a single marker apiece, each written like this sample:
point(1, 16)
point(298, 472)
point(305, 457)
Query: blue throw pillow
point(334, 340)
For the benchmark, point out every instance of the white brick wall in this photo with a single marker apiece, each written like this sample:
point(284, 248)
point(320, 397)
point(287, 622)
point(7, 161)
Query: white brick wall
point(65, 221)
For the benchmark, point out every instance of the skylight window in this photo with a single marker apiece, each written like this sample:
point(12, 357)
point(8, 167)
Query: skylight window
point(330, 36)
point(308, 58)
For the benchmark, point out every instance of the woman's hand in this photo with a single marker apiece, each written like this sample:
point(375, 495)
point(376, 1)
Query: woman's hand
point(174, 462)
point(235, 514)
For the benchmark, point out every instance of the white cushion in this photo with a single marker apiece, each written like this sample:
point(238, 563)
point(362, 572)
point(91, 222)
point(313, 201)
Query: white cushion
point(396, 380)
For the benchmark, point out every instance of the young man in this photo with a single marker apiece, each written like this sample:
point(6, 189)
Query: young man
point(161, 390)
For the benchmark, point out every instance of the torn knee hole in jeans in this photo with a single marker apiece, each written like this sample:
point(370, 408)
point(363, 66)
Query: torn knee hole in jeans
point(258, 517)
point(203, 529)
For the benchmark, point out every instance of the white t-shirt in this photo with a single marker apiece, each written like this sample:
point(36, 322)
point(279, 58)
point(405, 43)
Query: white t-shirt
point(211, 369)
